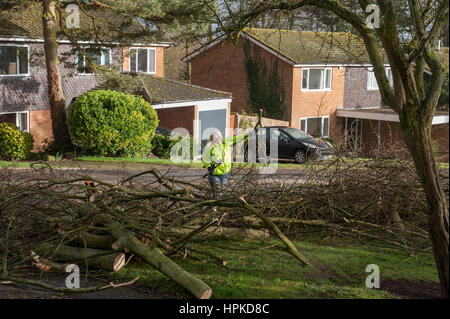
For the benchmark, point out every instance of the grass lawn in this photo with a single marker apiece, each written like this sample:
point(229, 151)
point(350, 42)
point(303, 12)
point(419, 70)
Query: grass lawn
point(160, 161)
point(338, 271)
point(19, 164)
point(168, 162)
point(155, 161)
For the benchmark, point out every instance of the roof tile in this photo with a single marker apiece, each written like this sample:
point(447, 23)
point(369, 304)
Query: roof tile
point(309, 47)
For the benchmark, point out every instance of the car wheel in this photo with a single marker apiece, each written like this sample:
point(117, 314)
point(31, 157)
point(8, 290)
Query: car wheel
point(299, 156)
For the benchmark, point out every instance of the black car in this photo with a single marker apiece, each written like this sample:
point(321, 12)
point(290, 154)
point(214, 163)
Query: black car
point(292, 144)
point(163, 131)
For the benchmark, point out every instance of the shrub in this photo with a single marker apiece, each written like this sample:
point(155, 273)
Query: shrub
point(14, 144)
point(162, 144)
point(109, 123)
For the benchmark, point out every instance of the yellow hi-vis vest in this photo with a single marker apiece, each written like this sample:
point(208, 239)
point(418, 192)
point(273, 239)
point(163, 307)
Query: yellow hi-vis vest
point(214, 153)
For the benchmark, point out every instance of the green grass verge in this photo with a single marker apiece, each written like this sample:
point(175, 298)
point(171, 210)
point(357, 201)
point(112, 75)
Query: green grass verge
point(338, 271)
point(155, 161)
point(19, 164)
point(160, 161)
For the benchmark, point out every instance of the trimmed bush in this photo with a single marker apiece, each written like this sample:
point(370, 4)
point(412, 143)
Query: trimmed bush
point(162, 144)
point(14, 144)
point(110, 123)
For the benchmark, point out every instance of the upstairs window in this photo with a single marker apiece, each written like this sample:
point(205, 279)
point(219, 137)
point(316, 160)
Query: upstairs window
point(316, 79)
point(100, 57)
point(372, 81)
point(13, 60)
point(143, 60)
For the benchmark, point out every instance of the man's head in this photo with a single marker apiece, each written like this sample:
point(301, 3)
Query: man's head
point(216, 137)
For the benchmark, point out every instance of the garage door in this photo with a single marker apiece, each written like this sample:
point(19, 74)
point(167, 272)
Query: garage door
point(212, 119)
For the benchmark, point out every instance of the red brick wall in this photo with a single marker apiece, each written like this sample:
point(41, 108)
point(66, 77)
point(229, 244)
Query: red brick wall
point(355, 91)
point(223, 68)
point(391, 135)
point(172, 118)
point(40, 127)
point(440, 134)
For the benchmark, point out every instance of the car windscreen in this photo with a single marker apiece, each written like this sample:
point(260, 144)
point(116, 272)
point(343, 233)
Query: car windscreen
point(296, 133)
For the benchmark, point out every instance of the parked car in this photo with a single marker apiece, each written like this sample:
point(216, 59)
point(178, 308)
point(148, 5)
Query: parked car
point(292, 144)
point(163, 131)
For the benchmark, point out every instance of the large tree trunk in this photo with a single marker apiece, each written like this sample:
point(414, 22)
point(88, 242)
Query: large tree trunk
point(153, 256)
point(55, 93)
point(95, 258)
point(419, 142)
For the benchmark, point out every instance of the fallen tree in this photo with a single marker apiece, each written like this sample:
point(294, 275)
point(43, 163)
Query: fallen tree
point(97, 224)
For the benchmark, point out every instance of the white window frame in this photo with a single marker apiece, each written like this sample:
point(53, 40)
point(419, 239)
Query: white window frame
point(137, 62)
point(18, 66)
point(370, 73)
point(102, 60)
point(321, 124)
point(323, 80)
point(18, 119)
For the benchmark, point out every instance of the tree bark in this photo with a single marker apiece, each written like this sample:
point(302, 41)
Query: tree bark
point(111, 261)
point(419, 142)
point(56, 97)
point(93, 241)
point(222, 232)
point(157, 259)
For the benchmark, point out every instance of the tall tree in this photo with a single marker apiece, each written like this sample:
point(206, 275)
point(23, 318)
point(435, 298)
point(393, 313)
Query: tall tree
point(55, 92)
point(409, 51)
point(103, 21)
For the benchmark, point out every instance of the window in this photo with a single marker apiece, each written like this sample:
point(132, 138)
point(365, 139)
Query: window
point(13, 60)
point(296, 133)
point(316, 126)
point(372, 81)
point(20, 119)
point(99, 56)
point(316, 79)
point(279, 136)
point(143, 60)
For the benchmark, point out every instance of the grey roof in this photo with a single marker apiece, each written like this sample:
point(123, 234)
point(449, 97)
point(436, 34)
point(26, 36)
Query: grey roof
point(309, 47)
point(162, 90)
point(306, 47)
point(26, 22)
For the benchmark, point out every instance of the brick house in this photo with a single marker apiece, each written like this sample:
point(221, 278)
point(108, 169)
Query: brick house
point(23, 79)
point(329, 87)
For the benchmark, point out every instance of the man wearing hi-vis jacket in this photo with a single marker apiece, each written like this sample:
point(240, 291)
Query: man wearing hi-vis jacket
point(217, 157)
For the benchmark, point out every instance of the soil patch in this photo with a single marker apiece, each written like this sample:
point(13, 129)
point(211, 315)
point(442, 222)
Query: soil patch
point(408, 289)
point(135, 291)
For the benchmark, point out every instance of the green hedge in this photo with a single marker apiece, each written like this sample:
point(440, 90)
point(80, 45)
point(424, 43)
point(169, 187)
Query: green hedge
point(14, 144)
point(110, 123)
point(162, 145)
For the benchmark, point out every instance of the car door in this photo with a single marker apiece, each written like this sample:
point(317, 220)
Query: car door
point(285, 144)
point(282, 140)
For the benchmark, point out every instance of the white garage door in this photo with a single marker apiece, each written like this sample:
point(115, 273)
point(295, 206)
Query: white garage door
point(209, 120)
